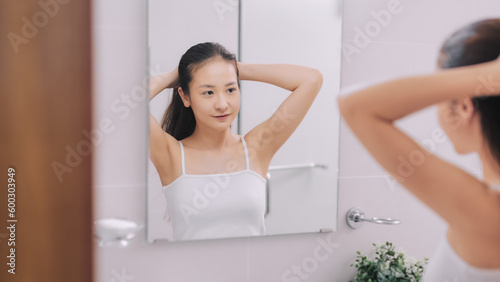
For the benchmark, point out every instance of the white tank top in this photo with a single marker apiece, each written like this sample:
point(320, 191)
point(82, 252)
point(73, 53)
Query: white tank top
point(222, 205)
point(447, 266)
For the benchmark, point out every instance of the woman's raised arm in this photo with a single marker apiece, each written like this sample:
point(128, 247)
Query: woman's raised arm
point(454, 194)
point(160, 142)
point(160, 82)
point(305, 83)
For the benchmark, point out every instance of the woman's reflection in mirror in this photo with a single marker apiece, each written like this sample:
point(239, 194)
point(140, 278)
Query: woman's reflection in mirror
point(214, 179)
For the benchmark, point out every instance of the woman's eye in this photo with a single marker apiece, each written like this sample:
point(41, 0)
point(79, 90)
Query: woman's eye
point(231, 90)
point(208, 92)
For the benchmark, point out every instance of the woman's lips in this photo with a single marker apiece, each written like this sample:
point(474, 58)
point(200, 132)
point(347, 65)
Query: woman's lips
point(222, 117)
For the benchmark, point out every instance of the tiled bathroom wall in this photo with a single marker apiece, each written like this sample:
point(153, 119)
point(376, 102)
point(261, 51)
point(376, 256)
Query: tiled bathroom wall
point(404, 43)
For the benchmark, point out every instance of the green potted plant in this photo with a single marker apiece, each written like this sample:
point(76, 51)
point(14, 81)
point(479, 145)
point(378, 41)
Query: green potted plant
point(388, 265)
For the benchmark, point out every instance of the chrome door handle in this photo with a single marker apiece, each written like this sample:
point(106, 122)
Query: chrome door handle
point(355, 218)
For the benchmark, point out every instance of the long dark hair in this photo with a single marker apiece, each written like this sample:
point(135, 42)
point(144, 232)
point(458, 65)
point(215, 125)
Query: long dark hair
point(178, 120)
point(478, 43)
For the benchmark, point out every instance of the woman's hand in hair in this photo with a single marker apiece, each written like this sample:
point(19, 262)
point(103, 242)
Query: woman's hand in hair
point(161, 82)
point(497, 71)
point(487, 79)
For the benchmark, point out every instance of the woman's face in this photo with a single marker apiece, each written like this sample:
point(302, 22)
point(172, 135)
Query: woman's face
point(214, 94)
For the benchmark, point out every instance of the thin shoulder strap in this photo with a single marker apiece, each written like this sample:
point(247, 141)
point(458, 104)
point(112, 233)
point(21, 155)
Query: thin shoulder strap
point(246, 151)
point(182, 159)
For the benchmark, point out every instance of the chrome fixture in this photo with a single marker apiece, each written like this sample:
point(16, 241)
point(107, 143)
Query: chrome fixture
point(355, 218)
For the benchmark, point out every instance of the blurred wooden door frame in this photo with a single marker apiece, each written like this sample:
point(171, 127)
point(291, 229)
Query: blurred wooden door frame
point(45, 106)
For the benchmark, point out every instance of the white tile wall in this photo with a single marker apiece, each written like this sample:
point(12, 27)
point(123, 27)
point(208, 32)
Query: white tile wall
point(119, 90)
point(404, 47)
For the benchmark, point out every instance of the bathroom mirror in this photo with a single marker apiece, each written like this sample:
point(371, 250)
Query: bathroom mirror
point(302, 180)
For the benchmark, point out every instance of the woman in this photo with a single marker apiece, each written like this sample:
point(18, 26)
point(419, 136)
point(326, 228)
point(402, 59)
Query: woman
point(465, 90)
point(213, 179)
